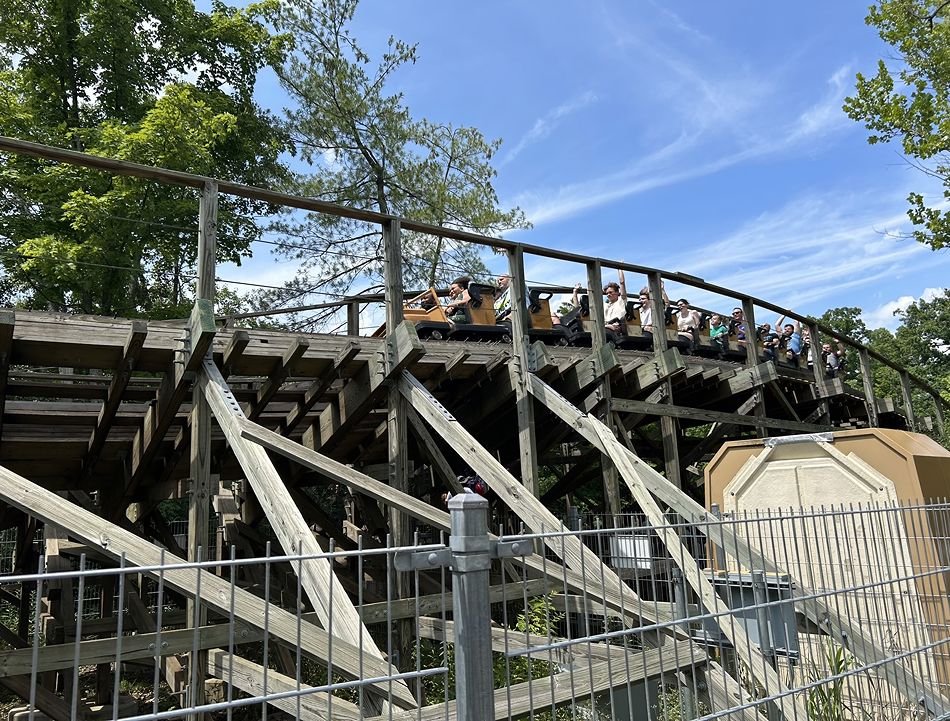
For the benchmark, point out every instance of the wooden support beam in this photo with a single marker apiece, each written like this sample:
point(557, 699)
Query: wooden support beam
point(121, 376)
point(232, 353)
point(430, 448)
point(281, 373)
point(716, 434)
point(7, 321)
point(818, 368)
point(645, 375)
point(316, 577)
point(172, 668)
point(436, 603)
point(248, 677)
point(908, 401)
point(598, 333)
point(867, 380)
point(521, 366)
point(171, 393)
point(701, 414)
point(46, 701)
point(744, 380)
point(199, 502)
point(577, 557)
point(217, 593)
point(581, 377)
point(366, 389)
point(778, 393)
point(315, 390)
point(353, 318)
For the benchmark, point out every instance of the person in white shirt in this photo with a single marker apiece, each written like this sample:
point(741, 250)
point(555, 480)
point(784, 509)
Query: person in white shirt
point(615, 302)
point(646, 309)
point(503, 297)
point(687, 323)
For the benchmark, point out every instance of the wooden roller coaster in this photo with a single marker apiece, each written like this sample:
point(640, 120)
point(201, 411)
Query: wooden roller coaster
point(126, 421)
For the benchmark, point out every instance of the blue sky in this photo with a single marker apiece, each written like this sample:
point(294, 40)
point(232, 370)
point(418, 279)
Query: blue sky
point(706, 138)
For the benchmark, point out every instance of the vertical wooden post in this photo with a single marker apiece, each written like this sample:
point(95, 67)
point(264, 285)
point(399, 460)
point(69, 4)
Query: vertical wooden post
point(938, 411)
point(598, 334)
point(199, 506)
point(867, 378)
point(598, 339)
point(818, 368)
point(908, 401)
point(660, 341)
point(527, 444)
point(397, 430)
point(752, 358)
point(353, 318)
point(669, 428)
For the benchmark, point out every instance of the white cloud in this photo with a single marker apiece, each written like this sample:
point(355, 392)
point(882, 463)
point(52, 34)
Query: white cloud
point(806, 254)
point(685, 157)
point(884, 315)
point(546, 124)
point(826, 114)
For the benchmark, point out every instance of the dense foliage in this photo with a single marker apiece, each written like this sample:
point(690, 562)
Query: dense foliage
point(155, 82)
point(921, 344)
point(907, 100)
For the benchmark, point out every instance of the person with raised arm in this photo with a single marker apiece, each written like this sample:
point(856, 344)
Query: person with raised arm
point(615, 302)
point(791, 339)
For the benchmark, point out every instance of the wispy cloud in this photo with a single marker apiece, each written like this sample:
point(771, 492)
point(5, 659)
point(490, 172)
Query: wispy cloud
point(687, 157)
point(825, 115)
point(813, 249)
point(546, 124)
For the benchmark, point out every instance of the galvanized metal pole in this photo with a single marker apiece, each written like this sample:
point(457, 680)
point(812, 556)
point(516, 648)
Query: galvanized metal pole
point(688, 708)
point(471, 563)
point(761, 597)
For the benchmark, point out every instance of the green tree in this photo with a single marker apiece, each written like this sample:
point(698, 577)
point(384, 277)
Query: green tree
point(846, 321)
point(368, 152)
point(921, 344)
point(908, 100)
point(155, 82)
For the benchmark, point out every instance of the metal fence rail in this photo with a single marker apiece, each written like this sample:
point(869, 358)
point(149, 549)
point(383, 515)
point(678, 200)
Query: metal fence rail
point(490, 633)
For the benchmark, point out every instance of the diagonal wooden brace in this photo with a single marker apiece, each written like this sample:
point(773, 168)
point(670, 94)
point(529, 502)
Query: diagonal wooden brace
point(323, 590)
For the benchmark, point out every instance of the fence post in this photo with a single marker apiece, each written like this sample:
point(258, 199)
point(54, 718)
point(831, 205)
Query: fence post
point(471, 565)
point(688, 700)
point(760, 597)
point(573, 518)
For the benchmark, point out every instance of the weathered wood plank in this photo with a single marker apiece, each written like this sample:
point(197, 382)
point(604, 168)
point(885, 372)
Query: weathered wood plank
point(117, 386)
point(702, 414)
point(285, 368)
point(248, 677)
point(171, 393)
point(7, 322)
point(315, 391)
